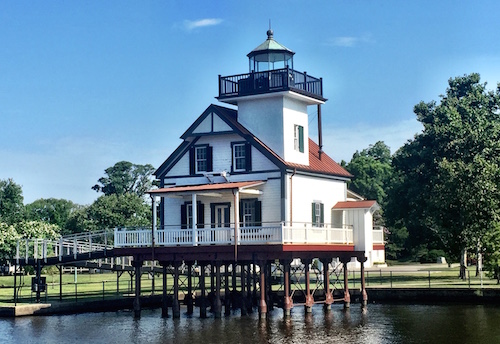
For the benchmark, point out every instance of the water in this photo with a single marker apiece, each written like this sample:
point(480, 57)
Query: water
point(379, 324)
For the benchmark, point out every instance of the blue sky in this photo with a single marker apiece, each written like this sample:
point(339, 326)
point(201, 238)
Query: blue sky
point(85, 84)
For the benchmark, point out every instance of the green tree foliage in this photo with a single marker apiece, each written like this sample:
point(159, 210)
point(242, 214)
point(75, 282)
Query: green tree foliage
point(8, 240)
point(126, 178)
point(109, 211)
point(446, 189)
point(11, 202)
point(372, 171)
point(53, 211)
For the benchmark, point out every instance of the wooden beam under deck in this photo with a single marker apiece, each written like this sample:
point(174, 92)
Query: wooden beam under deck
point(245, 252)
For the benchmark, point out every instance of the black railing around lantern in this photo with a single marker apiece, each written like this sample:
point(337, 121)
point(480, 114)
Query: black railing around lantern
point(276, 80)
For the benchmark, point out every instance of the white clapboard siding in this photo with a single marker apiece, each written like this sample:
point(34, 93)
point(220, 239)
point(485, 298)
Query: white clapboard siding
point(307, 190)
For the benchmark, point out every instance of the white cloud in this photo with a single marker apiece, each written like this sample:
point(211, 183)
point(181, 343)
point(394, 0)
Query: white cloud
point(350, 41)
point(194, 24)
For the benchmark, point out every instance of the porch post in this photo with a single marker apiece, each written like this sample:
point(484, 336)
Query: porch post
point(236, 222)
point(194, 218)
point(153, 230)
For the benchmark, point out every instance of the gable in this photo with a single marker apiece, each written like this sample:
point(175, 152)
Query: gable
point(211, 124)
point(211, 121)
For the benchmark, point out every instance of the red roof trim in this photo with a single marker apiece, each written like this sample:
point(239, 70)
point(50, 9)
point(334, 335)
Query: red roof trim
point(206, 187)
point(354, 205)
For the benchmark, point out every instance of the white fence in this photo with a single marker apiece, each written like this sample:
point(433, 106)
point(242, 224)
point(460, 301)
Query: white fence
point(261, 235)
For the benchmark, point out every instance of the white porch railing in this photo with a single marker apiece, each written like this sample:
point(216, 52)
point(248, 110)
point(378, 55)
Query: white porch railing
point(378, 235)
point(267, 234)
point(308, 234)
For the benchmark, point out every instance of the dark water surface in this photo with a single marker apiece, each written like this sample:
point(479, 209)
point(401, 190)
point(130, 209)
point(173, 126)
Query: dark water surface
point(379, 324)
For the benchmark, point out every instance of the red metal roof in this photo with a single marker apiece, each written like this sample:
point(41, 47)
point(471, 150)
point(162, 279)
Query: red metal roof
point(354, 205)
point(326, 165)
point(206, 187)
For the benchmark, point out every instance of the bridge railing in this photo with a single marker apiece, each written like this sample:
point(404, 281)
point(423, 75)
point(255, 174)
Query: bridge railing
point(74, 245)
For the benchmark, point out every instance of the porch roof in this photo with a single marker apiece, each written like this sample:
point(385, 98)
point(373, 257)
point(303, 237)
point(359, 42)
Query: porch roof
point(206, 187)
point(356, 205)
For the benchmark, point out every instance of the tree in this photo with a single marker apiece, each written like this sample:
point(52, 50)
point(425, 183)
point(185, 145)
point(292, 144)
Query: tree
point(54, 211)
point(372, 171)
point(125, 178)
point(8, 241)
point(109, 211)
point(447, 185)
point(11, 202)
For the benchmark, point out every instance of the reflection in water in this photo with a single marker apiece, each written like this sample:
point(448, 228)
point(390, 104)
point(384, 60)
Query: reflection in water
point(379, 324)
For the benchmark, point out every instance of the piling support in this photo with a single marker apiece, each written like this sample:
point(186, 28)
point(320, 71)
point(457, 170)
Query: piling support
point(347, 296)
point(227, 292)
point(176, 309)
point(164, 296)
point(217, 302)
point(137, 264)
point(203, 300)
point(242, 296)
point(309, 298)
point(326, 283)
point(249, 303)
point(288, 302)
point(364, 295)
point(262, 303)
point(38, 279)
point(189, 296)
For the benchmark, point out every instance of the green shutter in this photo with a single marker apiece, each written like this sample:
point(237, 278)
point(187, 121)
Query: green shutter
point(301, 139)
point(313, 214)
point(322, 214)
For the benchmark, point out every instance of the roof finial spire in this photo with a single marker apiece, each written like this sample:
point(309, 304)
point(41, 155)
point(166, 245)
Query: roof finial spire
point(270, 31)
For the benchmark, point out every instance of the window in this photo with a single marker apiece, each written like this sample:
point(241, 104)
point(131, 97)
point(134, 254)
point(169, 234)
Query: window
point(250, 213)
point(187, 215)
point(239, 163)
point(242, 157)
point(298, 138)
point(318, 214)
point(200, 159)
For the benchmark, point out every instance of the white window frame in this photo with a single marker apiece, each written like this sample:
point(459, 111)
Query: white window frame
point(198, 160)
point(239, 158)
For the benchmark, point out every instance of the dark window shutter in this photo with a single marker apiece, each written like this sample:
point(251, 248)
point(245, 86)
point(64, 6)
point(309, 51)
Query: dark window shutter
point(258, 213)
point(192, 161)
point(227, 217)
point(183, 216)
point(210, 165)
point(322, 214)
point(212, 215)
point(200, 215)
point(301, 139)
point(313, 214)
point(241, 213)
point(248, 157)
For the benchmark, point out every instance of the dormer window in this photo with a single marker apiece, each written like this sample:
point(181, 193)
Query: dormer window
point(298, 138)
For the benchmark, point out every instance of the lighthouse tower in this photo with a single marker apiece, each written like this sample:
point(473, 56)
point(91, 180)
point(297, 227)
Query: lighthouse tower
point(272, 100)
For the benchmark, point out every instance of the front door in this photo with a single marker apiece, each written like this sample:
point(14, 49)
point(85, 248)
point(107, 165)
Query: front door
point(221, 216)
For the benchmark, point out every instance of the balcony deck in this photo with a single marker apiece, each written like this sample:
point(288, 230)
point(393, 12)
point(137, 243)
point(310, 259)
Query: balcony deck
point(276, 80)
point(278, 234)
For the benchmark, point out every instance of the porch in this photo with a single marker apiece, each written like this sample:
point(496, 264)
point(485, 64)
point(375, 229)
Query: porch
point(267, 234)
